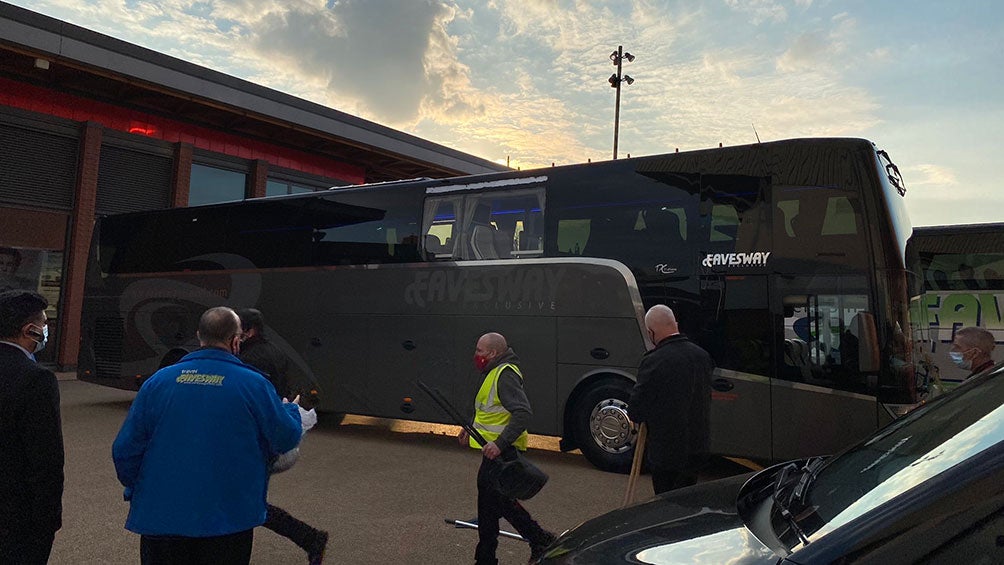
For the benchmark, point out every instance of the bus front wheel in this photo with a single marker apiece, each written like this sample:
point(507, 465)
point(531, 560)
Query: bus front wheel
point(602, 429)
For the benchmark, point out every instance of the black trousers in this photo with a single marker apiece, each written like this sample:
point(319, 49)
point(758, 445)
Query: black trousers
point(25, 548)
point(231, 549)
point(297, 531)
point(492, 505)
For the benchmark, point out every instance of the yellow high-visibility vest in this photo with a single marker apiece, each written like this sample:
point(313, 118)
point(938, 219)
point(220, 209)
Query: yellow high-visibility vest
point(490, 417)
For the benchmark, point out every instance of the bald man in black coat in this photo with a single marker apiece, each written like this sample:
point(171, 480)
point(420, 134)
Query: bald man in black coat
point(673, 397)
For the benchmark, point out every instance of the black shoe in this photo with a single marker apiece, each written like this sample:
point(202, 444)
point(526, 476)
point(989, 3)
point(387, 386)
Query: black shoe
point(315, 555)
point(537, 549)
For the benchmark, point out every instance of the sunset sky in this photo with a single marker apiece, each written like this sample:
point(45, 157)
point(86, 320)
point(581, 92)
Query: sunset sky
point(527, 80)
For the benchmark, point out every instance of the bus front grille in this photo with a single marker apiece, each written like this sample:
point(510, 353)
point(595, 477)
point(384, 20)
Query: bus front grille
point(108, 336)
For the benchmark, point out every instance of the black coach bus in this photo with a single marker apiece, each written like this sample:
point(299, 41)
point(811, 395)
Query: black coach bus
point(785, 260)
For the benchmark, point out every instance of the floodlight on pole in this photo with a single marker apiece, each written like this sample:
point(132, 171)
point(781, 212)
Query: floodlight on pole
point(615, 80)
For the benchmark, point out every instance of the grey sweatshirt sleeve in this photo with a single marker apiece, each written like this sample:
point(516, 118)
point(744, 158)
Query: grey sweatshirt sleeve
point(513, 398)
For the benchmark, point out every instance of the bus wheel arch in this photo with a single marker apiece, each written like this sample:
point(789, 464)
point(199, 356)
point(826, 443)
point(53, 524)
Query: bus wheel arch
point(596, 420)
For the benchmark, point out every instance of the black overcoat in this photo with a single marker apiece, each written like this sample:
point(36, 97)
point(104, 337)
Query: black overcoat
point(31, 445)
point(673, 396)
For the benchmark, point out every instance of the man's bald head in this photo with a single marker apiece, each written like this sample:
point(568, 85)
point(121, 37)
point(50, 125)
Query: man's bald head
point(661, 322)
point(489, 349)
point(492, 342)
point(219, 327)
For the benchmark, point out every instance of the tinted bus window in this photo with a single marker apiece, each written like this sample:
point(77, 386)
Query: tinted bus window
point(828, 333)
point(963, 271)
point(501, 224)
point(172, 240)
point(439, 221)
point(644, 221)
point(275, 233)
point(829, 218)
point(506, 224)
point(366, 230)
point(735, 214)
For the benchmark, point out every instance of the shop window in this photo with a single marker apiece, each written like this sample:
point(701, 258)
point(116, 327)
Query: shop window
point(210, 185)
point(280, 187)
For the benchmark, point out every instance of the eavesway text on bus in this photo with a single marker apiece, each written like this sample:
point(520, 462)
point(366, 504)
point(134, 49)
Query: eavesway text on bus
point(533, 288)
point(755, 259)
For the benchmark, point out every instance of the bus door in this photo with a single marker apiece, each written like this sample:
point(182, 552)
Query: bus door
point(823, 394)
point(738, 338)
point(734, 233)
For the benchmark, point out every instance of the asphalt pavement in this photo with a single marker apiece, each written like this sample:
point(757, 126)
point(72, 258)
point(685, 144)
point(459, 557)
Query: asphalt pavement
point(382, 489)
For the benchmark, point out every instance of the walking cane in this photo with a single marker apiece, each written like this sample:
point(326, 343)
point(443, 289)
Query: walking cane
point(639, 452)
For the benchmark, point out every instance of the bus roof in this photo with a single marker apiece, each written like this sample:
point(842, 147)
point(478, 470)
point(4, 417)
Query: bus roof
point(693, 160)
point(959, 238)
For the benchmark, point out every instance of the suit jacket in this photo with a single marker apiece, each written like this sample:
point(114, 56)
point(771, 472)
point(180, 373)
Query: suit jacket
point(673, 396)
point(31, 445)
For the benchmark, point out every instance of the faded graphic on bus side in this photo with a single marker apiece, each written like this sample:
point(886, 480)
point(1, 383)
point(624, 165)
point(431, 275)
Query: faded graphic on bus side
point(530, 288)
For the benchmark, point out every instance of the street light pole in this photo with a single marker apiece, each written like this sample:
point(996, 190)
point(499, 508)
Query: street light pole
point(615, 80)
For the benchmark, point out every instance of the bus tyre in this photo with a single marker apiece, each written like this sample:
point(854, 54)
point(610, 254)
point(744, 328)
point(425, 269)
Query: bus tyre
point(602, 429)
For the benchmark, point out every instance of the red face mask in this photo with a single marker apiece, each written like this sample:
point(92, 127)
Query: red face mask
point(481, 362)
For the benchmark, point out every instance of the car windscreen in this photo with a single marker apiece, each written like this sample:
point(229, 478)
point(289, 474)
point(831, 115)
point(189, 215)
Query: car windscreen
point(923, 444)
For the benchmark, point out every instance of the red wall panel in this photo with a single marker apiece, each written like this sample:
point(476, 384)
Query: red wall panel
point(45, 101)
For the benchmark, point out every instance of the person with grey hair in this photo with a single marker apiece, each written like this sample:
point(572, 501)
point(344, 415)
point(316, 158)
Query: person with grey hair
point(971, 350)
point(31, 436)
point(673, 398)
point(193, 453)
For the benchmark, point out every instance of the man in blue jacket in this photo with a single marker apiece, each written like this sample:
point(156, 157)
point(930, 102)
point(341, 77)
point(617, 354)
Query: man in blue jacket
point(193, 451)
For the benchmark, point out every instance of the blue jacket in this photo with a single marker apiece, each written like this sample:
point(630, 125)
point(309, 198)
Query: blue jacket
point(193, 451)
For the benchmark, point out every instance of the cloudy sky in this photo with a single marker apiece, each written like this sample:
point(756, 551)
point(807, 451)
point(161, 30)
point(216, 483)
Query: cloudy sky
point(526, 80)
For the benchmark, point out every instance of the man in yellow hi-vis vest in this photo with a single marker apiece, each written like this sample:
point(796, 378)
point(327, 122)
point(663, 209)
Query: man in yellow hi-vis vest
point(501, 414)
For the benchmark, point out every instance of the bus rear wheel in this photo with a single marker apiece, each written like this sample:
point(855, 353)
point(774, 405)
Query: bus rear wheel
point(603, 430)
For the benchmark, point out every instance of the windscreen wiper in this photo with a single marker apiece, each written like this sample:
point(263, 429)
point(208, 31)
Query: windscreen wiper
point(809, 472)
point(783, 481)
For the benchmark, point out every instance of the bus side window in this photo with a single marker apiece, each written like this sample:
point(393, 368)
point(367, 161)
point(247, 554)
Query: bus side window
point(481, 233)
point(530, 235)
point(820, 224)
point(438, 223)
point(724, 223)
point(497, 222)
point(734, 213)
point(784, 224)
point(829, 341)
point(840, 218)
point(504, 235)
point(663, 225)
point(573, 235)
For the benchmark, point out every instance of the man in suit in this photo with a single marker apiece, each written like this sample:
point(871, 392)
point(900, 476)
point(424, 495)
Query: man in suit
point(31, 437)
